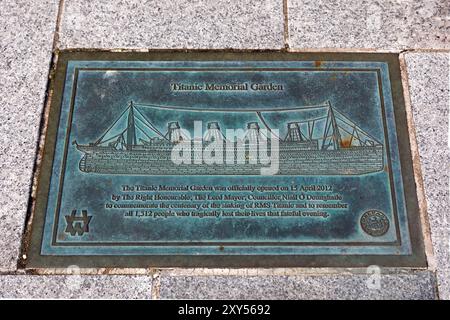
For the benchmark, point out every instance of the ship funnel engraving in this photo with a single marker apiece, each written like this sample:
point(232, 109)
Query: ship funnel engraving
point(173, 125)
point(213, 125)
point(213, 133)
point(294, 133)
point(252, 135)
point(253, 126)
point(175, 132)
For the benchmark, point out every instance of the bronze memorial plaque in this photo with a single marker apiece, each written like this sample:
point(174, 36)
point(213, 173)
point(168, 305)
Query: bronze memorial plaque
point(226, 159)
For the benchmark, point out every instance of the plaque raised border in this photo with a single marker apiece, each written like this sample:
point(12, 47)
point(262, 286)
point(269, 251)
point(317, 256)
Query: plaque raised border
point(35, 236)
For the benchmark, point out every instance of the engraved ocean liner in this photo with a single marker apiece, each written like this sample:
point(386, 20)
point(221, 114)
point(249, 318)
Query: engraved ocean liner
point(313, 140)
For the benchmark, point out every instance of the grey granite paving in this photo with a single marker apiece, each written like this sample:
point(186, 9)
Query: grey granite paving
point(347, 286)
point(380, 24)
point(172, 24)
point(429, 90)
point(75, 287)
point(26, 30)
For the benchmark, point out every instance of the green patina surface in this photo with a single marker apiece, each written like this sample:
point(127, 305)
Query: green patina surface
point(336, 187)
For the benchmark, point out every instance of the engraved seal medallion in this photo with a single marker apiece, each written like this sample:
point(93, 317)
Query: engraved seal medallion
point(374, 223)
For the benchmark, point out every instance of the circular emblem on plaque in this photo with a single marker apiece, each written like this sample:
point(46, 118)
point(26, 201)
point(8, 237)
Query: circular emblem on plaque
point(374, 223)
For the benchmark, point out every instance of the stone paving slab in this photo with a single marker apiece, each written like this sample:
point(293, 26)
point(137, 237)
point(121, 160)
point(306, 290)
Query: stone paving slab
point(417, 285)
point(380, 24)
point(428, 75)
point(26, 29)
point(172, 24)
point(75, 287)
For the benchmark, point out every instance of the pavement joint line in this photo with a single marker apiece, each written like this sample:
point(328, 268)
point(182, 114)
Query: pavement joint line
point(436, 285)
point(286, 24)
point(292, 50)
point(305, 272)
point(156, 286)
point(58, 25)
point(198, 272)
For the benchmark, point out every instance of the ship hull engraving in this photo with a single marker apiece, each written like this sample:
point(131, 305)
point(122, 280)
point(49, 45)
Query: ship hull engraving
point(157, 162)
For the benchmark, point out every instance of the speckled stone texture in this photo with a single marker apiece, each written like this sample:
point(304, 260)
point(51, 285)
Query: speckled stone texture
point(172, 24)
point(428, 75)
point(26, 30)
point(349, 286)
point(380, 24)
point(75, 287)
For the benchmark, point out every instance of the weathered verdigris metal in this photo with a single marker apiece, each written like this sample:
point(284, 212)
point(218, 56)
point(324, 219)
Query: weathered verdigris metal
point(141, 167)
